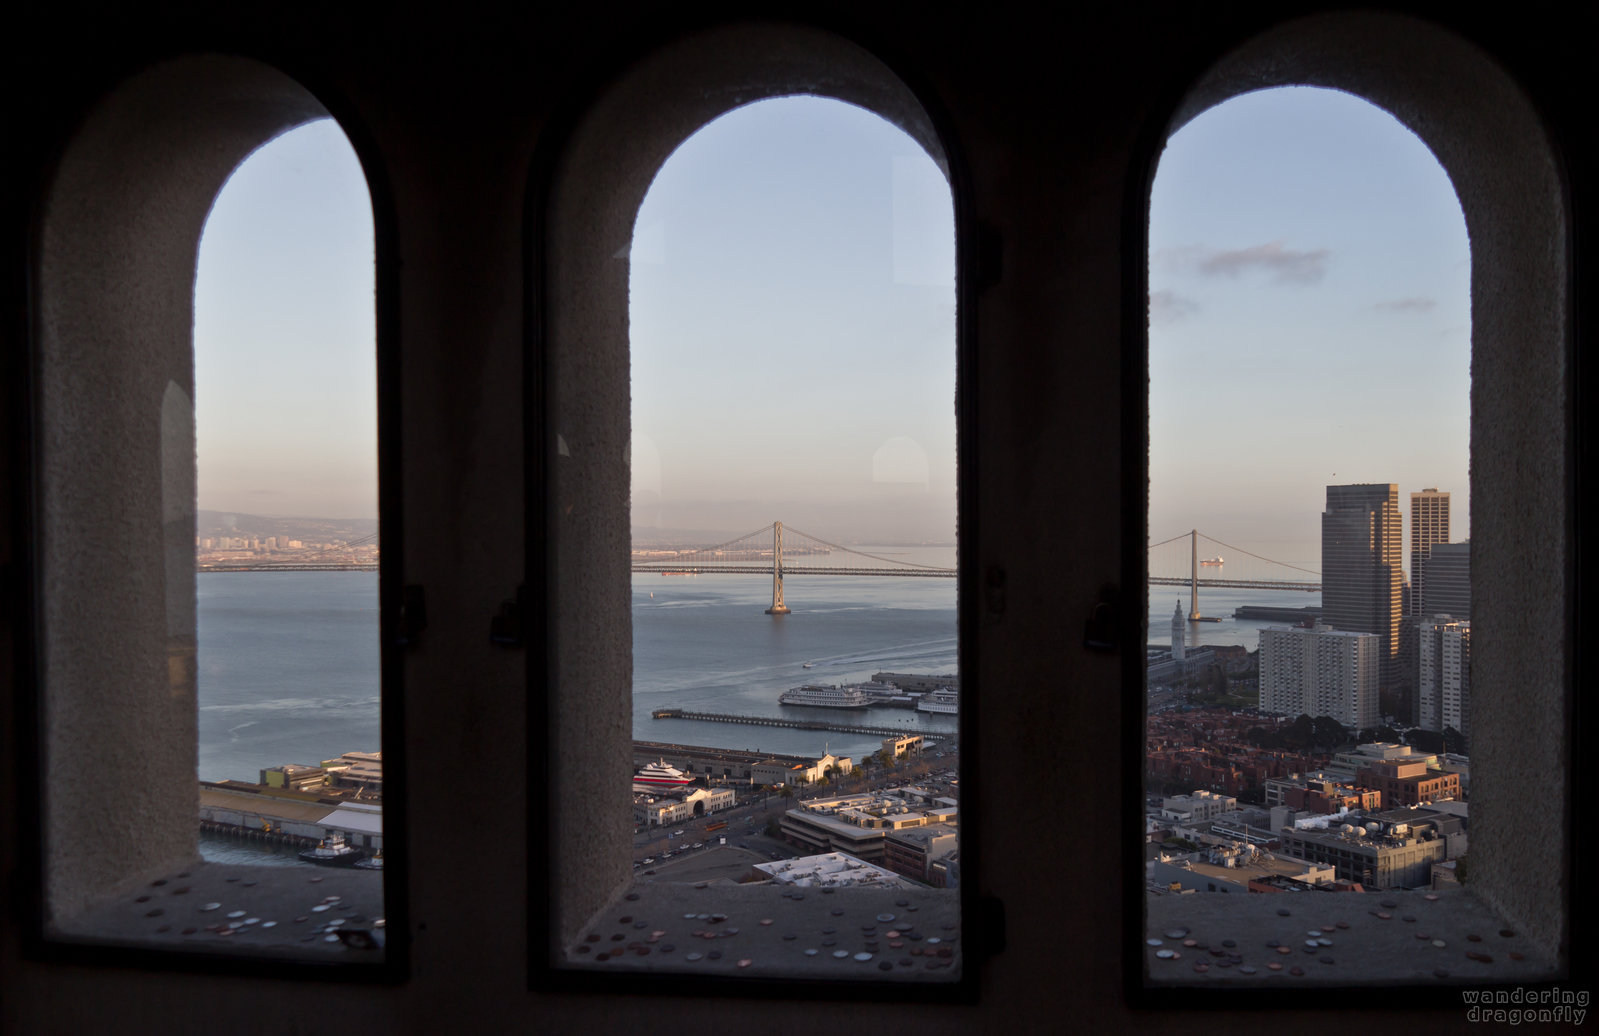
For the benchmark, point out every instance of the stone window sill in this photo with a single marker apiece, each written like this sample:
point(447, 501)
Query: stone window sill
point(1367, 949)
point(764, 931)
point(171, 914)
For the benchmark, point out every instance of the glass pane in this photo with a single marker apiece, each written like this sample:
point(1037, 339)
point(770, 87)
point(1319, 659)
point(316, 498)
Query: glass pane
point(796, 681)
point(286, 544)
point(1309, 605)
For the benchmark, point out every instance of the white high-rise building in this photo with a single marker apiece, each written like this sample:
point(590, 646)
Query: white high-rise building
point(1444, 679)
point(1321, 672)
point(1179, 626)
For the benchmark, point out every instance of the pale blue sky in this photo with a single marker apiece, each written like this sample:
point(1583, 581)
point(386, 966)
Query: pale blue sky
point(793, 326)
point(1310, 320)
point(793, 330)
point(285, 369)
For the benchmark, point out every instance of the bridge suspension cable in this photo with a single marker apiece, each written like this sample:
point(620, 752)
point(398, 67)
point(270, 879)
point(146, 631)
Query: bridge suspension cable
point(862, 553)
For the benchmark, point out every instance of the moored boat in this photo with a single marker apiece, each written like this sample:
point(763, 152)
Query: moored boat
point(847, 697)
point(333, 851)
point(660, 776)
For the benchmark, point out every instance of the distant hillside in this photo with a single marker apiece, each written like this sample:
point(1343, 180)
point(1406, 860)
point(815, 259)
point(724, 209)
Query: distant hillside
point(321, 530)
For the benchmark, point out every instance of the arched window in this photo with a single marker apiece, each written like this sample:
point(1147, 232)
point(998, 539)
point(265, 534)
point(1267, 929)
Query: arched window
point(594, 459)
point(114, 379)
point(1486, 137)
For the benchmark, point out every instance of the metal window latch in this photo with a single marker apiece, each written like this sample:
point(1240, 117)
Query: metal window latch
point(507, 627)
point(413, 615)
point(1099, 632)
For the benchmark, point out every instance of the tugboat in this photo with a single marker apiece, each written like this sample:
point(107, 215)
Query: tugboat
point(333, 852)
point(371, 863)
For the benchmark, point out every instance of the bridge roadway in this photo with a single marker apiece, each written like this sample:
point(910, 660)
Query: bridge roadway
point(793, 570)
point(1238, 584)
point(287, 567)
point(800, 724)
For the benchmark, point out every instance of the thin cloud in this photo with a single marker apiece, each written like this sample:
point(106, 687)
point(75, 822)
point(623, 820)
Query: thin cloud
point(1286, 265)
point(1411, 305)
point(1166, 307)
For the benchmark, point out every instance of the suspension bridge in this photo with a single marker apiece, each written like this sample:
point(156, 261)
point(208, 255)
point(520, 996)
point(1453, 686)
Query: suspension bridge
point(762, 552)
point(1242, 570)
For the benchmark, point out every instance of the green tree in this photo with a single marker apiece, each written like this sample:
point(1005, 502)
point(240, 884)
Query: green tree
point(1425, 740)
point(1300, 734)
point(1328, 732)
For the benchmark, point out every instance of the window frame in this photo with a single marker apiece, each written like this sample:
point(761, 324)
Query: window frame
point(213, 109)
point(712, 68)
point(1387, 60)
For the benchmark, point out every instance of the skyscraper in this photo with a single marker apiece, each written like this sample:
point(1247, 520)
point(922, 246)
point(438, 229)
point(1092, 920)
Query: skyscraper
point(1361, 566)
point(1449, 581)
point(1429, 524)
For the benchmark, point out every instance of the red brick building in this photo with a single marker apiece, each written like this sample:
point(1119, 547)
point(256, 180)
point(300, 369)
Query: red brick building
point(1408, 784)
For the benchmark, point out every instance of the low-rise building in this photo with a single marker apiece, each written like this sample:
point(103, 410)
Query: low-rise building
point(858, 824)
point(361, 771)
point(1232, 868)
point(1345, 765)
point(659, 810)
point(1200, 806)
point(913, 851)
point(899, 747)
point(294, 777)
point(1407, 783)
point(1319, 792)
point(826, 870)
point(1385, 851)
point(786, 771)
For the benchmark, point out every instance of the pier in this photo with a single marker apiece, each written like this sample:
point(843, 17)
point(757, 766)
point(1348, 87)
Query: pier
point(798, 724)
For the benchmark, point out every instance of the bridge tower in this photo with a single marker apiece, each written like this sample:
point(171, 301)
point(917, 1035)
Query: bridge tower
point(778, 607)
point(1193, 576)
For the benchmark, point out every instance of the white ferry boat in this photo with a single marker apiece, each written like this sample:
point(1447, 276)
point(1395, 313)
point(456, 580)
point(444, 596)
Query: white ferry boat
point(658, 776)
point(944, 700)
point(846, 697)
point(885, 695)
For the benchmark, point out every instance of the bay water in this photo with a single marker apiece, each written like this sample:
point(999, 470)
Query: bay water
point(288, 661)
